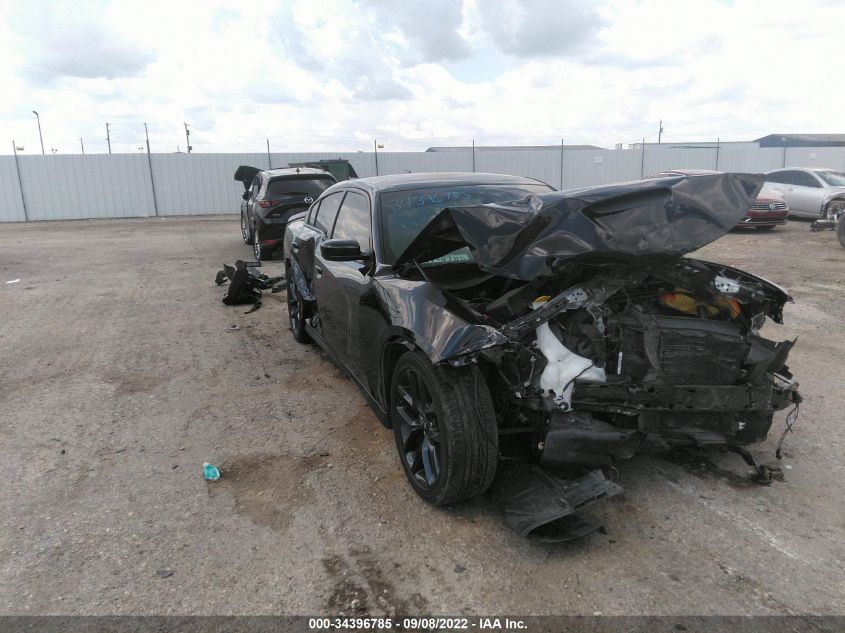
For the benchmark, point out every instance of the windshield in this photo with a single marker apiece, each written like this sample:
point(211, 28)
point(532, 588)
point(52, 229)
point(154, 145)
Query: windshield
point(833, 178)
point(405, 213)
point(297, 187)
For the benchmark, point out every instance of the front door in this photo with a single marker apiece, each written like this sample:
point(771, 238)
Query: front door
point(803, 193)
point(340, 285)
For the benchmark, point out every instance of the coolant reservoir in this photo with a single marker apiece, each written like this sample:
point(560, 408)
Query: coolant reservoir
point(563, 367)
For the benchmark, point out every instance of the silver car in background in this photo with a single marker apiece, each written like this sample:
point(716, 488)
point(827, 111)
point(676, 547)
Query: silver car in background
point(814, 193)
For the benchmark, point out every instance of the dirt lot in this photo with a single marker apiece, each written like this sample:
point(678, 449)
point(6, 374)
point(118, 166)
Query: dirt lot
point(122, 372)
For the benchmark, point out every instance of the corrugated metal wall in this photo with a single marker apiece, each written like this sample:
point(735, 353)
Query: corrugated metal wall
point(119, 185)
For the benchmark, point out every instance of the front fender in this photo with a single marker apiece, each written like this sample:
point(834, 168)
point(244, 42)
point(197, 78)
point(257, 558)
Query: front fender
point(441, 327)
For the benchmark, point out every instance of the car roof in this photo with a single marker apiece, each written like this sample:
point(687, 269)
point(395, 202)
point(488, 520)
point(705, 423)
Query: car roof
point(404, 182)
point(774, 171)
point(685, 172)
point(297, 171)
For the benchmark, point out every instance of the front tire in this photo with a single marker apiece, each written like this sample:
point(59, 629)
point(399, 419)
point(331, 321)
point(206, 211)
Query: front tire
point(840, 231)
point(834, 210)
point(445, 429)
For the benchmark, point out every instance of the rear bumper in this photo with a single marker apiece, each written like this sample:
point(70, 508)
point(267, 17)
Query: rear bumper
point(272, 233)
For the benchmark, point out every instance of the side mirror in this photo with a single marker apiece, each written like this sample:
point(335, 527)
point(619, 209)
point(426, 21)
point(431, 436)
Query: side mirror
point(246, 195)
point(341, 251)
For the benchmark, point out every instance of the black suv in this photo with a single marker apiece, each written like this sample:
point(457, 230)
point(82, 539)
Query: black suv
point(271, 197)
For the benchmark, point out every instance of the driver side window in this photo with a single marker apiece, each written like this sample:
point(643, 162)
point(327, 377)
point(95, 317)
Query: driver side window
point(353, 221)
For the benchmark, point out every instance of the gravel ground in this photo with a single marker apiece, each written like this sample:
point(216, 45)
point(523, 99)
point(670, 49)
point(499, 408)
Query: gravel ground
point(122, 372)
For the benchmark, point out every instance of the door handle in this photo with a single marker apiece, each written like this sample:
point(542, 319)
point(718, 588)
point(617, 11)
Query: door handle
point(294, 247)
point(318, 270)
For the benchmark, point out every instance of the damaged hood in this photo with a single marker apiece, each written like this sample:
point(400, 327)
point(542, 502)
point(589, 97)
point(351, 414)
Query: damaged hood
point(534, 237)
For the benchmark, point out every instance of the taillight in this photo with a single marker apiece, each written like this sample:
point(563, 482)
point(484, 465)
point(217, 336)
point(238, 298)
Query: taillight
point(266, 204)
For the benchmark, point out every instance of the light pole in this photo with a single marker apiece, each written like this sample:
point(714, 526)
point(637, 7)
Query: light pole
point(187, 137)
point(108, 136)
point(38, 118)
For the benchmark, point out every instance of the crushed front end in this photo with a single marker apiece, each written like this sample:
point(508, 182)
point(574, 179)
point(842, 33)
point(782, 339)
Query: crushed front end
point(598, 336)
point(664, 348)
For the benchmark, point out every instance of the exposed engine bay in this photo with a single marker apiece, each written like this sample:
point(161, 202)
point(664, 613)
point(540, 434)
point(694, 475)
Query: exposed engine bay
point(616, 351)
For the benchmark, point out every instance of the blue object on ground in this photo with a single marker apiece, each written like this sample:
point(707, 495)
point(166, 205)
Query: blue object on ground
point(210, 472)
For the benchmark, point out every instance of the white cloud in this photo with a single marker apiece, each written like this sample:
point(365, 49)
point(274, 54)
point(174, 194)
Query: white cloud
point(414, 74)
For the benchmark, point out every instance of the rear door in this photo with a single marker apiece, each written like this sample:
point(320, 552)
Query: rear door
point(305, 245)
point(340, 285)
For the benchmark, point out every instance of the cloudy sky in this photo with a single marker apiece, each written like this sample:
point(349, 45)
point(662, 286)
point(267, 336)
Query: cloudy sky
point(335, 74)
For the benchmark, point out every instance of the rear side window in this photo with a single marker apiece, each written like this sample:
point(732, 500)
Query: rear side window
point(313, 187)
point(327, 212)
point(312, 213)
point(353, 221)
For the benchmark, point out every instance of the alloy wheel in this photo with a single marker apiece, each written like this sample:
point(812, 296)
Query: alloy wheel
point(419, 435)
point(244, 229)
point(833, 211)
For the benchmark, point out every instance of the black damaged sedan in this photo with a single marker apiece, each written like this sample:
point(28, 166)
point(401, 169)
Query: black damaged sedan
point(489, 319)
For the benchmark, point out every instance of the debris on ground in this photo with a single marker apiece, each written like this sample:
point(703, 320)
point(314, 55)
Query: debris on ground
point(210, 472)
point(164, 573)
point(246, 283)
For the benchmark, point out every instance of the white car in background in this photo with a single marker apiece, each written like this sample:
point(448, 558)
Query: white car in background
point(813, 193)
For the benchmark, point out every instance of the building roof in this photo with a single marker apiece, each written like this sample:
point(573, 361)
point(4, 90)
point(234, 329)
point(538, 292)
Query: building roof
point(508, 148)
point(802, 140)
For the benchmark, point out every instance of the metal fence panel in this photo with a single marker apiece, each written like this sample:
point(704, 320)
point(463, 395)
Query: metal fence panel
point(11, 205)
point(86, 186)
point(118, 185)
point(194, 184)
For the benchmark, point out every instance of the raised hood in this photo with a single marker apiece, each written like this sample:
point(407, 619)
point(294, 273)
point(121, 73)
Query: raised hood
point(245, 174)
point(531, 238)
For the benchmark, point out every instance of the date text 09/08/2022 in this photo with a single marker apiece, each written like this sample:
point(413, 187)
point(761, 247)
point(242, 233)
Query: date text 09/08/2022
point(417, 623)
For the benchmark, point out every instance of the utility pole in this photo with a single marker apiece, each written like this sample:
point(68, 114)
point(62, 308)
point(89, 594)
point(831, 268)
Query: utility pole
point(269, 163)
point(717, 154)
point(187, 137)
point(41, 138)
point(642, 160)
point(20, 181)
point(108, 136)
point(473, 155)
point(660, 133)
point(561, 164)
point(150, 163)
point(375, 149)
point(82, 145)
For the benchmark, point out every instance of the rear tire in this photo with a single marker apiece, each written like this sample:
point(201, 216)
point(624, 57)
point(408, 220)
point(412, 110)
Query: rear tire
point(840, 231)
point(296, 322)
point(444, 424)
point(262, 252)
point(246, 231)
